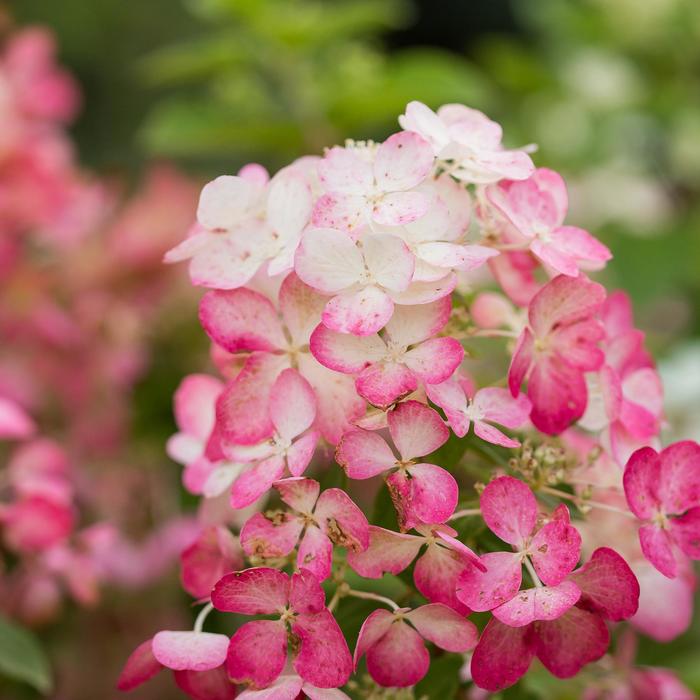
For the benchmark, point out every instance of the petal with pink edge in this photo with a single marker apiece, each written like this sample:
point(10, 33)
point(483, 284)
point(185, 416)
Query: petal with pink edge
point(444, 627)
point(497, 405)
point(363, 312)
point(301, 452)
point(389, 261)
point(194, 405)
point(493, 435)
point(545, 603)
point(342, 521)
point(364, 454)
point(425, 292)
point(435, 360)
point(191, 651)
point(416, 430)
point(139, 667)
point(485, 590)
point(344, 170)
point(509, 509)
point(567, 644)
point(413, 324)
point(581, 246)
point(298, 493)
point(257, 652)
point(384, 383)
point(222, 201)
point(502, 656)
point(642, 480)
point(399, 658)
point(301, 307)
point(343, 212)
point(227, 260)
point(258, 591)
point(400, 208)
point(555, 551)
point(450, 397)
point(284, 688)
point(241, 320)
point(270, 536)
point(388, 552)
point(292, 404)
point(252, 484)
point(206, 685)
point(403, 161)
point(344, 352)
point(323, 658)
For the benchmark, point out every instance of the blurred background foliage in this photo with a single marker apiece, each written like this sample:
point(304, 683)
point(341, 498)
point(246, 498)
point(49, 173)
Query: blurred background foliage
point(609, 90)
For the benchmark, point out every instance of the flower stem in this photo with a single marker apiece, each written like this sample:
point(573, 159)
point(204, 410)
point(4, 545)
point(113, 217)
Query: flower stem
point(203, 614)
point(533, 574)
point(581, 501)
point(465, 513)
point(372, 596)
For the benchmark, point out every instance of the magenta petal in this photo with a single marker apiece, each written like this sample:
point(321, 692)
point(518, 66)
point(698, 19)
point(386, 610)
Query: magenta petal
point(555, 551)
point(641, 481)
point(567, 644)
point(546, 603)
point(258, 591)
point(364, 454)
point(270, 537)
point(454, 544)
point(388, 552)
point(194, 405)
point(190, 651)
point(444, 627)
point(306, 594)
point(436, 574)
point(509, 509)
point(679, 489)
point(425, 493)
point(252, 484)
point(139, 667)
point(416, 430)
point(521, 362)
point(657, 548)
point(685, 531)
point(257, 652)
point(502, 656)
point(373, 629)
point(342, 521)
point(435, 360)
point(485, 590)
point(493, 435)
point(361, 313)
point(323, 658)
point(315, 553)
point(608, 586)
point(206, 685)
point(399, 658)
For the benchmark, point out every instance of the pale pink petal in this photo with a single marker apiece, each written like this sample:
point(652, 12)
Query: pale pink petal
point(343, 212)
point(342, 521)
point(301, 452)
point(315, 553)
point(451, 255)
point(570, 642)
point(227, 261)
point(324, 658)
point(241, 320)
point(301, 308)
point(194, 405)
point(685, 531)
point(289, 204)
point(364, 454)
point(214, 553)
point(15, 423)
point(306, 595)
point(491, 310)
point(270, 536)
point(389, 261)
point(363, 312)
point(499, 406)
point(292, 404)
point(502, 656)
point(436, 574)
point(388, 552)
point(450, 397)
point(642, 480)
point(343, 352)
point(400, 208)
point(257, 652)
point(328, 260)
point(403, 161)
point(416, 430)
point(197, 239)
point(399, 658)
point(493, 435)
point(515, 273)
point(608, 586)
point(509, 509)
point(284, 688)
point(139, 667)
point(425, 292)
point(258, 591)
point(435, 360)
point(580, 245)
point(546, 603)
point(300, 494)
point(206, 685)
point(344, 170)
point(384, 383)
point(555, 551)
point(555, 258)
point(192, 651)
point(223, 201)
point(679, 487)
point(315, 693)
point(373, 629)
point(413, 324)
point(253, 483)
point(657, 548)
point(421, 119)
point(444, 627)
point(521, 362)
point(485, 590)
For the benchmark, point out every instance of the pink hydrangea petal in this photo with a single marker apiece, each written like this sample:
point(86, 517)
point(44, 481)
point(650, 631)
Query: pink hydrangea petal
point(227, 260)
point(567, 644)
point(497, 405)
point(509, 509)
point(521, 361)
point(426, 292)
point(403, 161)
point(194, 404)
point(641, 480)
point(214, 553)
point(491, 310)
point(452, 255)
point(258, 591)
point(298, 493)
point(284, 688)
point(545, 603)
point(334, 210)
point(384, 383)
point(292, 404)
point(289, 203)
point(222, 200)
point(361, 313)
point(364, 454)
point(580, 245)
point(399, 658)
point(345, 352)
point(301, 452)
point(485, 590)
point(315, 693)
point(416, 430)
point(323, 658)
point(139, 667)
point(400, 208)
point(679, 487)
point(196, 240)
point(270, 537)
point(242, 409)
point(191, 651)
point(252, 484)
point(306, 595)
point(14, 421)
point(241, 320)
point(448, 536)
point(657, 547)
point(685, 531)
point(502, 656)
point(421, 119)
point(576, 343)
point(444, 627)
point(554, 257)
point(315, 553)
point(387, 552)
point(35, 524)
point(608, 585)
point(342, 521)
point(435, 360)
point(257, 652)
point(300, 307)
point(493, 435)
point(344, 170)
point(555, 551)
point(206, 685)
point(389, 261)
point(414, 324)
point(328, 260)
point(436, 573)
point(373, 629)
point(450, 397)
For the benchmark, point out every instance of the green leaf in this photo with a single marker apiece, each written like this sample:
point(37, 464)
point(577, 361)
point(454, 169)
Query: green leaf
point(22, 658)
point(442, 680)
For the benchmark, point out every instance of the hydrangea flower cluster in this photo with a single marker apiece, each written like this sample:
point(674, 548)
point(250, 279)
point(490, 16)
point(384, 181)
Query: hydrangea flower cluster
point(353, 300)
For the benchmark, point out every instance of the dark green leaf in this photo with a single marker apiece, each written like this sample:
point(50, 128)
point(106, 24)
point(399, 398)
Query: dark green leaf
point(21, 657)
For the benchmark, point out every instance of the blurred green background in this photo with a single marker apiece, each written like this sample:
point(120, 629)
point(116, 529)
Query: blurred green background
point(608, 89)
